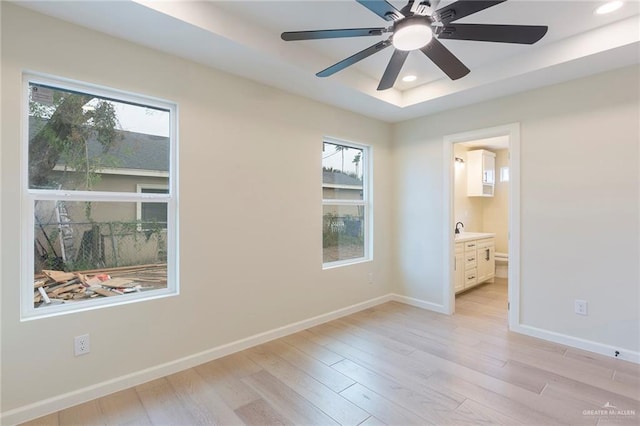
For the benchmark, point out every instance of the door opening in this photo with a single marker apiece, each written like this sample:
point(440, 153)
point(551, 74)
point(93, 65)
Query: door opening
point(485, 163)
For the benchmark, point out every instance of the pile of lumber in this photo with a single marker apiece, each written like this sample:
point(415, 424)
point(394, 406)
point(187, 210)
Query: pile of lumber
point(55, 287)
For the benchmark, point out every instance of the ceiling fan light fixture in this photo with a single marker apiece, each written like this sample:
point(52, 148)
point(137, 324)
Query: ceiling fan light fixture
point(609, 7)
point(411, 33)
point(409, 78)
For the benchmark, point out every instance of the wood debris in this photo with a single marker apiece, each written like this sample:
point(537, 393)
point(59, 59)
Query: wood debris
point(69, 287)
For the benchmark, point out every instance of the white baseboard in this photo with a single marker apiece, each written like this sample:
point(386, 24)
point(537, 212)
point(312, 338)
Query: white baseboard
point(420, 303)
point(60, 402)
point(576, 342)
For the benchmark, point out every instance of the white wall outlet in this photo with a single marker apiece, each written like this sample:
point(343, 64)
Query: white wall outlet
point(81, 345)
point(581, 307)
point(370, 277)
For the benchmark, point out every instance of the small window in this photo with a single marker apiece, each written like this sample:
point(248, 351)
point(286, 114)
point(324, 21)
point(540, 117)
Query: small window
point(345, 206)
point(99, 236)
point(152, 215)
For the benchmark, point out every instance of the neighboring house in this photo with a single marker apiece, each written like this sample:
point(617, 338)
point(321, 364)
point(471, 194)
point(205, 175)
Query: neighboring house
point(337, 185)
point(341, 186)
point(135, 163)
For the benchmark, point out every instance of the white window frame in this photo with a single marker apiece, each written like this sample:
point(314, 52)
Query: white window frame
point(139, 188)
point(30, 196)
point(367, 201)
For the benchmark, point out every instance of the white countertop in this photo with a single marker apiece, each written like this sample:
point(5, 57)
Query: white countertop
point(466, 236)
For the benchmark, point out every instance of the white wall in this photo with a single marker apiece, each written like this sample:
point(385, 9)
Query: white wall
point(250, 213)
point(579, 203)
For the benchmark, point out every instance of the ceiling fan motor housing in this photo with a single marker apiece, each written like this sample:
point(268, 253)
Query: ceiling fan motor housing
point(412, 33)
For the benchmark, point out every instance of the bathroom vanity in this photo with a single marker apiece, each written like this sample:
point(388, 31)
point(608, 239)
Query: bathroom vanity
point(474, 259)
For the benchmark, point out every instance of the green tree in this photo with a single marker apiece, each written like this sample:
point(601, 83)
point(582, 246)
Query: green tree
point(340, 148)
point(61, 137)
point(356, 161)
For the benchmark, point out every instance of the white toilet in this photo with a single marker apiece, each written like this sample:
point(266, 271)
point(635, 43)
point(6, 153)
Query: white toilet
point(502, 265)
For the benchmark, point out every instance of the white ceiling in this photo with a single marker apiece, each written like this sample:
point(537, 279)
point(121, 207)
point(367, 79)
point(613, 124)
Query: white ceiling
point(243, 38)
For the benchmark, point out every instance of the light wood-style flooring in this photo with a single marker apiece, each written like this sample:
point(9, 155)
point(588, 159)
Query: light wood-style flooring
point(392, 364)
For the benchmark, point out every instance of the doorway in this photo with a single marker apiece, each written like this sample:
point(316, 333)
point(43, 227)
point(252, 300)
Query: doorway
point(511, 134)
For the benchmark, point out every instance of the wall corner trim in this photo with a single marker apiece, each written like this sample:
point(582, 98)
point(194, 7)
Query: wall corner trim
point(430, 306)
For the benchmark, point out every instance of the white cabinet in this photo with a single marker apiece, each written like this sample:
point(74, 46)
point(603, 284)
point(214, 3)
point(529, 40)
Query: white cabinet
point(481, 173)
point(470, 264)
point(486, 259)
point(458, 267)
point(474, 262)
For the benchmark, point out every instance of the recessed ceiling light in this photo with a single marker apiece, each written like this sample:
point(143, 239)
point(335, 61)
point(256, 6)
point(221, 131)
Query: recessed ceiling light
point(609, 7)
point(409, 78)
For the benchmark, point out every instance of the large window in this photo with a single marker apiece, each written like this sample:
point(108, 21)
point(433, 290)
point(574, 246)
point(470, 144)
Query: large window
point(94, 235)
point(345, 203)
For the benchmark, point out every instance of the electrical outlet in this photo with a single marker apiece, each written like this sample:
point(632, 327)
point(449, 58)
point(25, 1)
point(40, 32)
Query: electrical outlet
point(370, 277)
point(81, 345)
point(581, 307)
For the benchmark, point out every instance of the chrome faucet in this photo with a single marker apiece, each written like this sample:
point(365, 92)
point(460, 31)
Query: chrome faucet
point(457, 231)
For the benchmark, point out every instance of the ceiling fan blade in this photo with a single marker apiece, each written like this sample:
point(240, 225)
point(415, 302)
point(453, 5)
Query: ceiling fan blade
point(445, 60)
point(320, 34)
point(463, 8)
point(354, 58)
point(393, 69)
point(521, 34)
point(382, 9)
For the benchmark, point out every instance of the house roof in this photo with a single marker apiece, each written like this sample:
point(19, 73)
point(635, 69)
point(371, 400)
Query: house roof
point(137, 151)
point(335, 177)
point(133, 151)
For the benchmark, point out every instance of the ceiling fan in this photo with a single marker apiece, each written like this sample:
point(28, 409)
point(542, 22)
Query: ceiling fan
point(420, 25)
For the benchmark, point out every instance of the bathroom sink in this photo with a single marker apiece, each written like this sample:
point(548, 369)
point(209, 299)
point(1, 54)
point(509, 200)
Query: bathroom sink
point(473, 235)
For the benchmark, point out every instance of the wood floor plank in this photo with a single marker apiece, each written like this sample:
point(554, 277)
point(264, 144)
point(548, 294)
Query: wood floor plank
point(228, 385)
point(330, 402)
point(578, 370)
point(239, 363)
point(523, 413)
point(372, 421)
point(355, 329)
point(197, 396)
point(430, 410)
point(591, 395)
point(313, 349)
point(316, 338)
point(394, 366)
point(380, 407)
point(459, 353)
point(474, 413)
point(124, 407)
point(316, 369)
point(88, 413)
point(286, 401)
point(412, 374)
point(604, 361)
point(631, 379)
point(383, 385)
point(161, 403)
point(48, 420)
point(260, 413)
